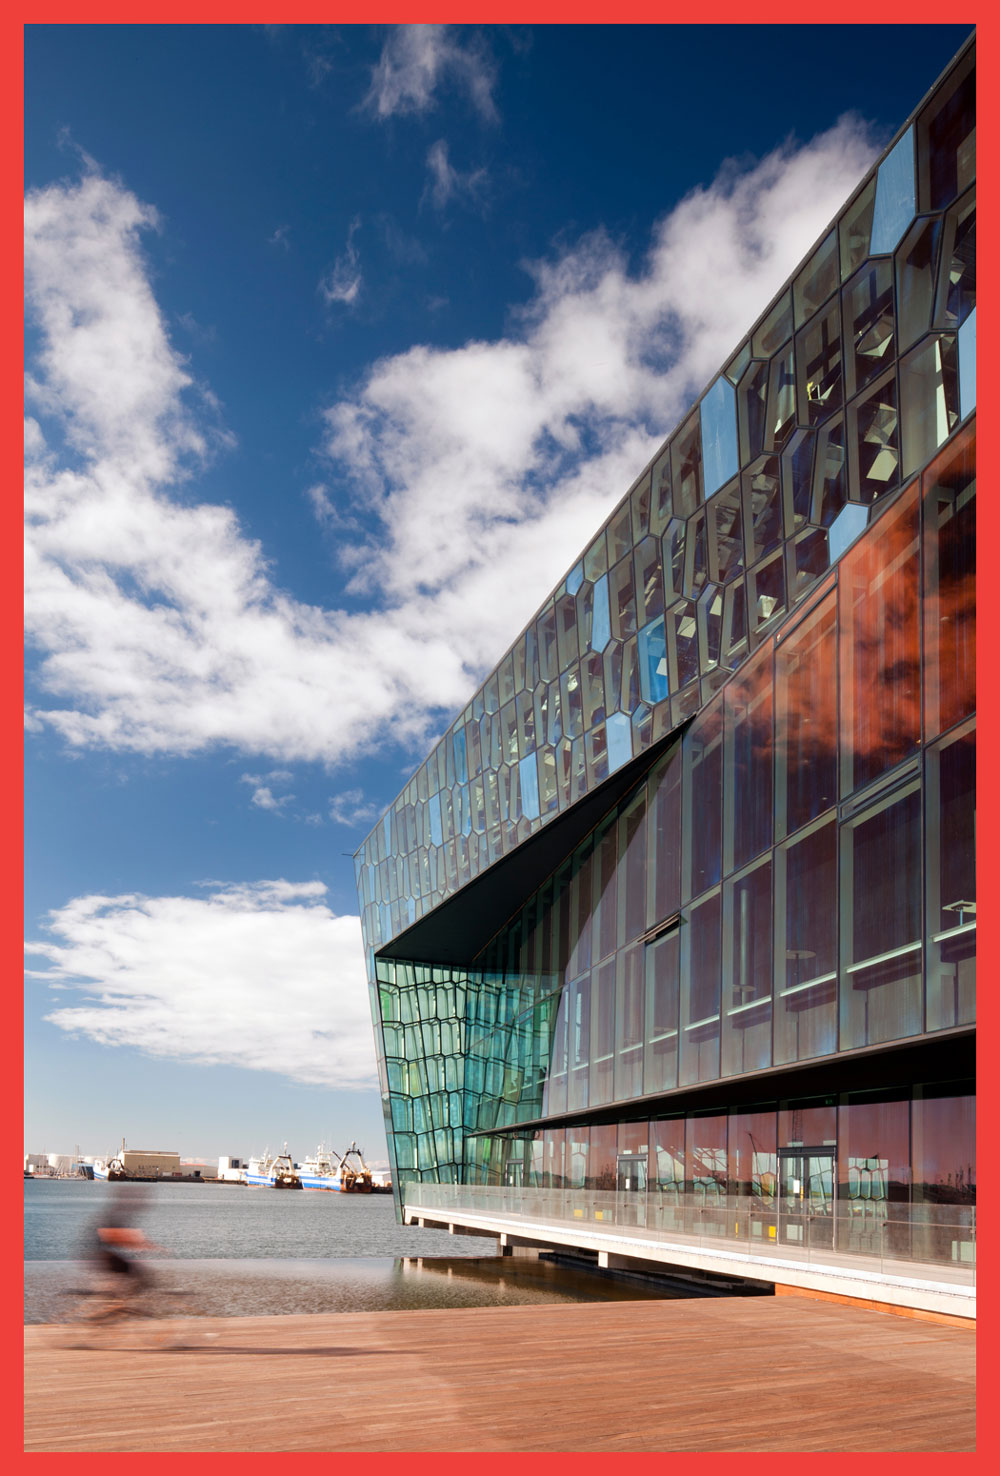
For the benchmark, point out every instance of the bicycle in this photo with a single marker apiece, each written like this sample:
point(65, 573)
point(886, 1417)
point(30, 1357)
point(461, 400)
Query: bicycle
point(141, 1314)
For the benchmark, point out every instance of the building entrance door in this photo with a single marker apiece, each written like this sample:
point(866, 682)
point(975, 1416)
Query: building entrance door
point(806, 1197)
point(632, 1188)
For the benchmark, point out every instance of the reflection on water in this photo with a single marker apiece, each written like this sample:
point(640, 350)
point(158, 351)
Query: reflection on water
point(245, 1288)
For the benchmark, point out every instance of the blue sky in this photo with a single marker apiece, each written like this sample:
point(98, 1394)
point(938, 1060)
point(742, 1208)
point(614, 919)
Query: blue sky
point(341, 344)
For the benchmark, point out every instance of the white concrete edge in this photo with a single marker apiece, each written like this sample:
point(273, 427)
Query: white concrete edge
point(930, 1295)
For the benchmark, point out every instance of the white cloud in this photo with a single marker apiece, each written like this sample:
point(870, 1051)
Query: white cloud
point(484, 470)
point(343, 282)
point(260, 975)
point(448, 183)
point(351, 808)
point(417, 60)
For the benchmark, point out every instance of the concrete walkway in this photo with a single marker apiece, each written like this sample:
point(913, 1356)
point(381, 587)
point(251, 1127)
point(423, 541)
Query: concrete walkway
point(714, 1374)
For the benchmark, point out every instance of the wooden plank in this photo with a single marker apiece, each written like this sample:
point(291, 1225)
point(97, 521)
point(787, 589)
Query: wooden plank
point(740, 1374)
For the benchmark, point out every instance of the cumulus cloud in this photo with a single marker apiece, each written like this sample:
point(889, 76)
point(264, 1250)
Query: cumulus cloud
point(260, 975)
point(351, 808)
point(417, 60)
point(447, 183)
point(479, 472)
point(343, 281)
point(263, 795)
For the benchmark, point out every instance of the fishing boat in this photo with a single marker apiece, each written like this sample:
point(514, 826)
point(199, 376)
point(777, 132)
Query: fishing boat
point(347, 1175)
point(278, 1172)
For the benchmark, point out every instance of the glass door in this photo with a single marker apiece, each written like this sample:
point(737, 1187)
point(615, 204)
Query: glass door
point(631, 1189)
point(806, 1198)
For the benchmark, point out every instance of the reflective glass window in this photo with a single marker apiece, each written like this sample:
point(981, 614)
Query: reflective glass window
point(662, 959)
point(806, 719)
point(880, 645)
point(949, 585)
point(873, 1192)
point(746, 1017)
point(753, 1156)
point(630, 1022)
point(805, 969)
point(749, 703)
point(880, 992)
point(702, 749)
point(951, 880)
point(602, 1055)
point(706, 1153)
point(701, 990)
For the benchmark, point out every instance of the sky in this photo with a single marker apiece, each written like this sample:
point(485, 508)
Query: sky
point(341, 342)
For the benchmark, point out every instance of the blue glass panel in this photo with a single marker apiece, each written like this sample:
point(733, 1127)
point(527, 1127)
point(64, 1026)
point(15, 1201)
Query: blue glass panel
point(434, 809)
point(601, 631)
point(461, 765)
point(387, 831)
point(619, 731)
point(895, 197)
point(967, 366)
point(849, 522)
point(653, 683)
point(720, 453)
point(574, 579)
point(528, 774)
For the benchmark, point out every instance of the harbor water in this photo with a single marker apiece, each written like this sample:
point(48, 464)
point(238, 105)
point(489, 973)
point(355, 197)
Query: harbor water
point(244, 1252)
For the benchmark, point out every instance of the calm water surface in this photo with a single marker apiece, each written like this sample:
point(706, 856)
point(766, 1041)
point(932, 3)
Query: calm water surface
point(253, 1252)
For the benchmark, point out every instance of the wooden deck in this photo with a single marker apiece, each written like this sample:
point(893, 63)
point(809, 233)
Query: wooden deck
point(719, 1374)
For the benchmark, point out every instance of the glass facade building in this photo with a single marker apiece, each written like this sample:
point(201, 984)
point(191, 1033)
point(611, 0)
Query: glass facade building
point(677, 923)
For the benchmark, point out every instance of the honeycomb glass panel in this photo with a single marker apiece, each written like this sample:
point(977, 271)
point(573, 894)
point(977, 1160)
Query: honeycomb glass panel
point(720, 449)
point(946, 138)
point(819, 358)
point(654, 683)
point(648, 580)
point(855, 228)
point(873, 441)
point(725, 523)
point(685, 467)
point(768, 600)
point(928, 400)
point(762, 485)
point(774, 330)
point(869, 323)
point(895, 196)
point(818, 279)
point(752, 403)
point(916, 280)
